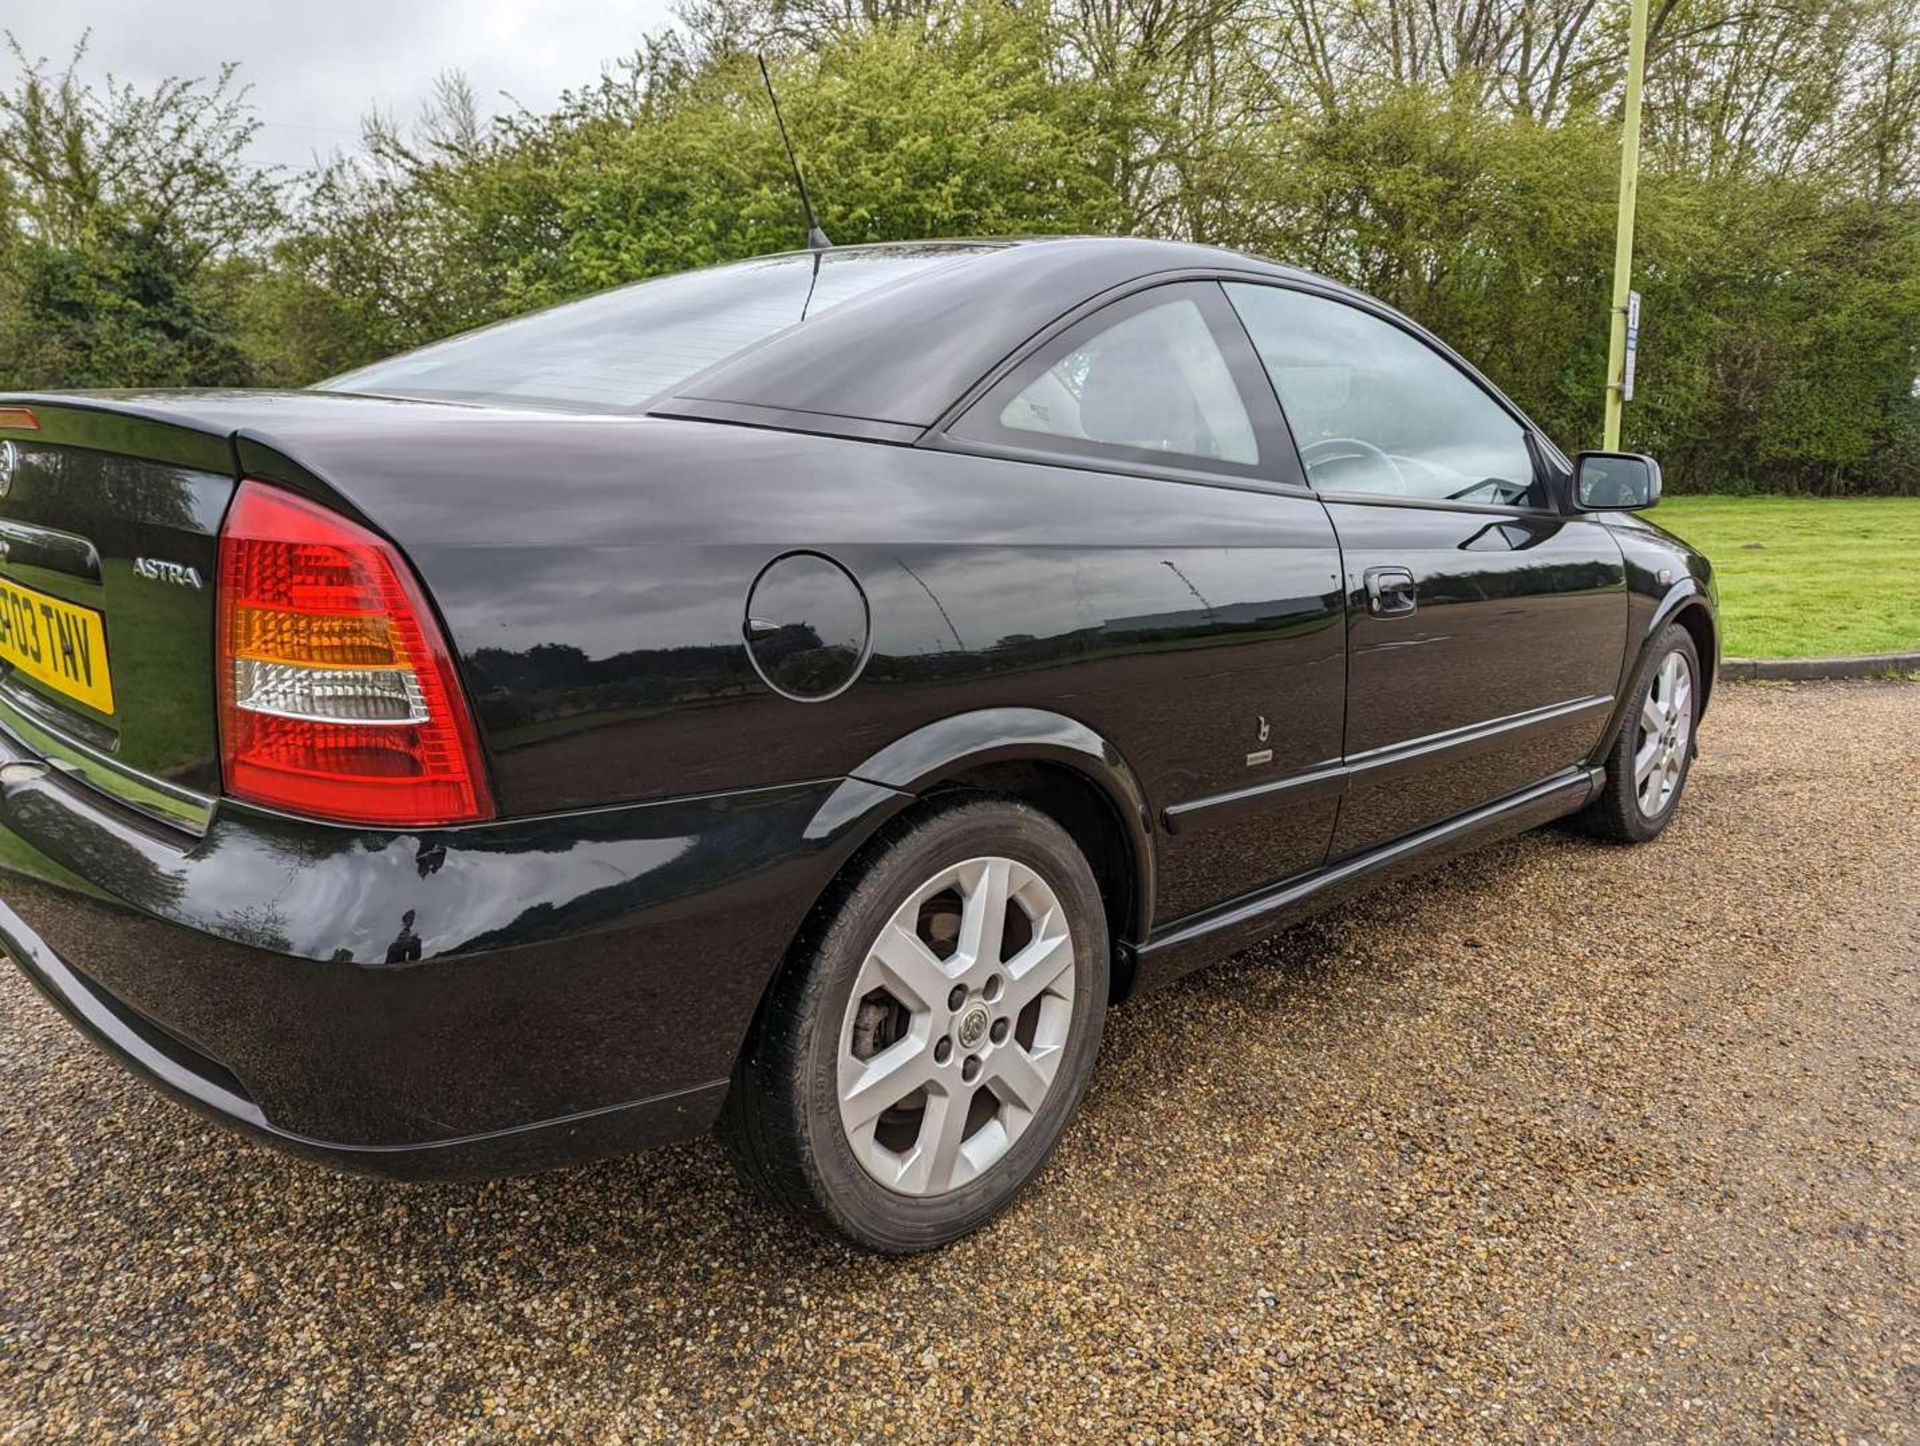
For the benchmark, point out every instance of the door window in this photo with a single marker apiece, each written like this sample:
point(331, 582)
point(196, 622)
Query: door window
point(1376, 410)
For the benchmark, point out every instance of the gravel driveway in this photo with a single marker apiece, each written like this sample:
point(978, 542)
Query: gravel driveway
point(1561, 1140)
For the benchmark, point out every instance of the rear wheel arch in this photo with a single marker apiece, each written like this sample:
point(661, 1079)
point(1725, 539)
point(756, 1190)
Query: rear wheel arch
point(1091, 819)
point(1058, 765)
point(1053, 764)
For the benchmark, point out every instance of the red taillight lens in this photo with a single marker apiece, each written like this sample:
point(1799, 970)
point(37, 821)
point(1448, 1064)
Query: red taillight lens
point(338, 697)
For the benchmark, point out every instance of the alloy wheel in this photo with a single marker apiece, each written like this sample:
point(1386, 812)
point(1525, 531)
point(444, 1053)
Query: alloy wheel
point(957, 1026)
point(1665, 734)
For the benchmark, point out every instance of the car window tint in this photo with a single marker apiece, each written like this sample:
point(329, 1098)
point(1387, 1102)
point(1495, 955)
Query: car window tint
point(1155, 380)
point(1375, 409)
point(618, 350)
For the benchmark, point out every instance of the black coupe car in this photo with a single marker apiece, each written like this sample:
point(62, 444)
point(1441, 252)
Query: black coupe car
point(799, 696)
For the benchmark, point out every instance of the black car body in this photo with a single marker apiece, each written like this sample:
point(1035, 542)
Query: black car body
point(713, 637)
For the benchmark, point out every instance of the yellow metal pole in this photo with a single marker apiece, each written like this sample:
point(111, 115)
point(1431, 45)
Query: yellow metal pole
point(1623, 233)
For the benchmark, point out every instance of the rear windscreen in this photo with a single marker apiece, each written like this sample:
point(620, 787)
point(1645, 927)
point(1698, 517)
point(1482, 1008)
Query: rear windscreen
point(617, 351)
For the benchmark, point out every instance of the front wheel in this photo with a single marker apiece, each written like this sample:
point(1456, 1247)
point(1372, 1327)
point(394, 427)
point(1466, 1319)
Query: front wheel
point(1648, 765)
point(915, 1066)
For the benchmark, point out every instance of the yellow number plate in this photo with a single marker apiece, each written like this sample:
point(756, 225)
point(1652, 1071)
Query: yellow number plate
point(59, 643)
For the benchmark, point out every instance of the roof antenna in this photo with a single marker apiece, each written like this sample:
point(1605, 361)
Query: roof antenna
point(816, 238)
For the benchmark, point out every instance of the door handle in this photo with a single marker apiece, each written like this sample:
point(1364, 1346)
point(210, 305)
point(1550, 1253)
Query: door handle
point(1390, 592)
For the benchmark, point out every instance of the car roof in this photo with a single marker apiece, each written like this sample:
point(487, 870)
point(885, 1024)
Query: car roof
point(901, 355)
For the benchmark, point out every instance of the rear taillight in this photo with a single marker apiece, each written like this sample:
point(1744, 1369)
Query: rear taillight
point(338, 697)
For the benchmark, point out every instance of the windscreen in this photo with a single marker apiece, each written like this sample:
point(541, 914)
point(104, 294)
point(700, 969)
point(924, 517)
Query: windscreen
point(617, 351)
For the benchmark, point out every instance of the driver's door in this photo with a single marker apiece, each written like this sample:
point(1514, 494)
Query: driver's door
point(1485, 630)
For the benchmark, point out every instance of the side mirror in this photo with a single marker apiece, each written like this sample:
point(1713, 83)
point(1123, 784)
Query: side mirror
point(1615, 481)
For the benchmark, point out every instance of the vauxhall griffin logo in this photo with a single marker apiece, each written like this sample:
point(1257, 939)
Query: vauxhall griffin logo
point(9, 464)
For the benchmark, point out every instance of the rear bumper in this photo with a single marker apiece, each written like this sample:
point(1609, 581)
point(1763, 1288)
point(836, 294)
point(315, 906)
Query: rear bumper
point(447, 1004)
point(204, 1084)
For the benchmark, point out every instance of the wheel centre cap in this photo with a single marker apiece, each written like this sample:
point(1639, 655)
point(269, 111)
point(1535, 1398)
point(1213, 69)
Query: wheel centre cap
point(973, 1026)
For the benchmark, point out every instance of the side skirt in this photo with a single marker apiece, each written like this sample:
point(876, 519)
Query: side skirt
point(1178, 948)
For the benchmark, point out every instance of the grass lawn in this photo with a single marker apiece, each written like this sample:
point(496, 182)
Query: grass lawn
point(1808, 577)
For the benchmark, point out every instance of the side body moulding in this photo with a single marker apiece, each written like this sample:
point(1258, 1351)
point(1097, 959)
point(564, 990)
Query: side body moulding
point(1189, 944)
point(1336, 777)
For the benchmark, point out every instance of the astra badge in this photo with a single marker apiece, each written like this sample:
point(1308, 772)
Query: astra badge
point(9, 464)
point(156, 569)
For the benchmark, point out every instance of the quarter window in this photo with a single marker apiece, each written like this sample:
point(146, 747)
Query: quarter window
point(1153, 382)
point(1374, 409)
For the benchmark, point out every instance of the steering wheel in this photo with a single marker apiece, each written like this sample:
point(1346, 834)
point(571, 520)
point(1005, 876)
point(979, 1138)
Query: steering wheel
point(1341, 449)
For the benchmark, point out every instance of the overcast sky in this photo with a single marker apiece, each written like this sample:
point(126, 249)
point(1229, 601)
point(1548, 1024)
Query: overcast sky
point(317, 67)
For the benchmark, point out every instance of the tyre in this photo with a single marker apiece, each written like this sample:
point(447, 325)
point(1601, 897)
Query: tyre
point(922, 1054)
point(1648, 764)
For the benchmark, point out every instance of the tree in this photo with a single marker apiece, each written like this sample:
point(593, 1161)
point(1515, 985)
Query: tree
point(125, 222)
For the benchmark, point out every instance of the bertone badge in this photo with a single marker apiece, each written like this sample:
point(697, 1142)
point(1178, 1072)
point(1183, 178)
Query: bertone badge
point(9, 464)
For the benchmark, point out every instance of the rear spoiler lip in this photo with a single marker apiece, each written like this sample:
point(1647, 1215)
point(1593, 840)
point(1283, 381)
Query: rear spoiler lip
point(392, 464)
point(110, 424)
point(201, 430)
point(173, 436)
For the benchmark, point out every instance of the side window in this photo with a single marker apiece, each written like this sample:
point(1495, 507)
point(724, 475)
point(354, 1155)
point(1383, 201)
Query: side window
point(1375, 409)
point(1147, 380)
point(1156, 381)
